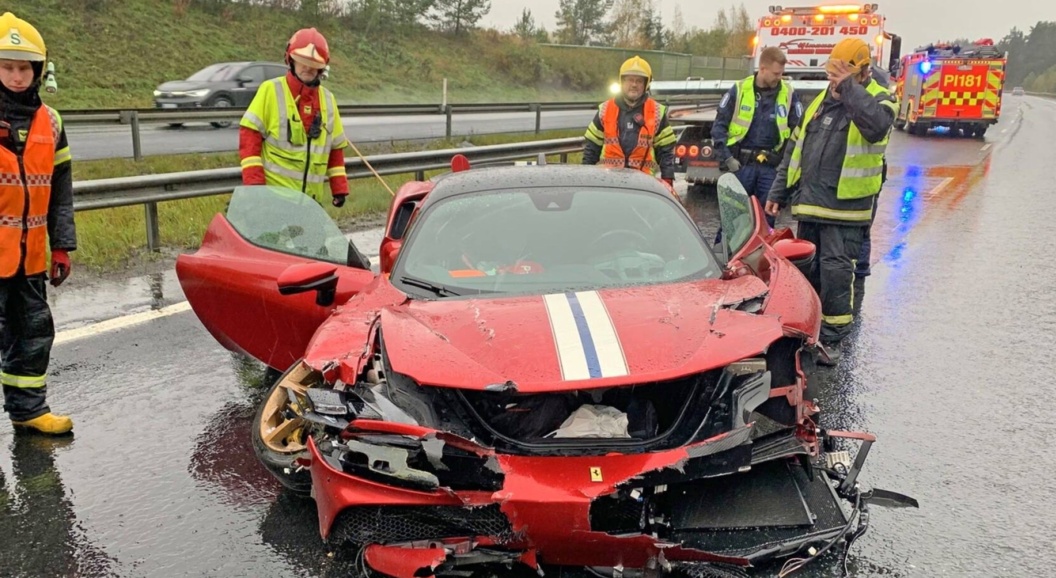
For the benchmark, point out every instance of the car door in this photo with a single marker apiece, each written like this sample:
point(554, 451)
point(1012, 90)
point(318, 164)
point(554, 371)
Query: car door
point(246, 84)
point(231, 281)
point(744, 228)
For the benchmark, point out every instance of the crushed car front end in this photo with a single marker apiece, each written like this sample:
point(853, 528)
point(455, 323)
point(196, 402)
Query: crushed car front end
point(428, 481)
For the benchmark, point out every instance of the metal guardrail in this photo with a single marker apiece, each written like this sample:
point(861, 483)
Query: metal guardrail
point(149, 190)
point(135, 117)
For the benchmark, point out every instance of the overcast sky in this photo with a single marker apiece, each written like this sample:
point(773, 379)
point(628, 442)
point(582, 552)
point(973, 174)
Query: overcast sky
point(917, 21)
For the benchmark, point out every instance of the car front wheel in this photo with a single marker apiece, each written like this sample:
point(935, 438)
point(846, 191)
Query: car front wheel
point(280, 434)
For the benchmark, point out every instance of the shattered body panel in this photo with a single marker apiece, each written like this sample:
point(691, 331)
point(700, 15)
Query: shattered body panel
point(637, 429)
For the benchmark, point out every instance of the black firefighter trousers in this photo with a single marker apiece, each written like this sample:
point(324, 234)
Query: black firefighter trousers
point(26, 334)
point(832, 273)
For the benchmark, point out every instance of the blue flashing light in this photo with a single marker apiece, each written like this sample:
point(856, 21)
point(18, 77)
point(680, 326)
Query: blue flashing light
point(925, 67)
point(908, 195)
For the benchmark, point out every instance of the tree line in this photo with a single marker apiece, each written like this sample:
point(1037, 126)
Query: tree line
point(637, 24)
point(1031, 57)
point(633, 24)
point(378, 16)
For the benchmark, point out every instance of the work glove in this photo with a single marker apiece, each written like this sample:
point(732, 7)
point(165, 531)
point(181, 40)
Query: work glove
point(60, 266)
point(733, 165)
point(339, 200)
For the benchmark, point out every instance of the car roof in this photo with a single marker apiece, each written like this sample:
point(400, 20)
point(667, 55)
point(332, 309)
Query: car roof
point(556, 175)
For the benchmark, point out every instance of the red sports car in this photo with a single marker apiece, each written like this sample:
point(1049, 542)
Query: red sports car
point(552, 368)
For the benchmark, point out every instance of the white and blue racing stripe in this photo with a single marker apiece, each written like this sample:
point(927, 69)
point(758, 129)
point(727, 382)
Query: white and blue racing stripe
point(585, 337)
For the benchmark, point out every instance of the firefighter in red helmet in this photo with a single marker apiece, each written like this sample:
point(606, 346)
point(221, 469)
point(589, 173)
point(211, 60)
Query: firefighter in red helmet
point(291, 135)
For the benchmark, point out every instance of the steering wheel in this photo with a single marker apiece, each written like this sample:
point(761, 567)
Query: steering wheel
point(609, 234)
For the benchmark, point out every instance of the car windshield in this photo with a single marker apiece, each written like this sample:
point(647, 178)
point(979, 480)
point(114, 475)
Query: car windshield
point(287, 221)
point(547, 240)
point(213, 72)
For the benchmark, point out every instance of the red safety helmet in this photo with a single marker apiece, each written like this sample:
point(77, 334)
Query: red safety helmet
point(308, 47)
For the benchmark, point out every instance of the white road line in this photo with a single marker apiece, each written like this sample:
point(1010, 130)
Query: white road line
point(119, 323)
point(986, 146)
point(931, 193)
point(130, 320)
point(934, 191)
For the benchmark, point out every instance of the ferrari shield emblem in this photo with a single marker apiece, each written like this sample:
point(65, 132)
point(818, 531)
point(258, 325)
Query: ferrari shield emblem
point(595, 474)
point(307, 109)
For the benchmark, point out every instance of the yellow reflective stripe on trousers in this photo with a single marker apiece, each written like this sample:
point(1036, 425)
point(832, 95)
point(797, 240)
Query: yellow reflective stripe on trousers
point(833, 214)
point(837, 319)
point(23, 381)
point(336, 172)
point(252, 162)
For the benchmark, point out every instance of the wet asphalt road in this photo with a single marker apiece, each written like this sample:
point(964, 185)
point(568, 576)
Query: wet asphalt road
point(949, 368)
point(94, 142)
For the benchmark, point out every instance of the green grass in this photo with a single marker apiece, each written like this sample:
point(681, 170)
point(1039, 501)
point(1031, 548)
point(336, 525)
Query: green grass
point(113, 239)
point(114, 53)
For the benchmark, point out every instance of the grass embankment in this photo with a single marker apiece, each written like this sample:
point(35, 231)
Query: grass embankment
point(114, 53)
point(113, 239)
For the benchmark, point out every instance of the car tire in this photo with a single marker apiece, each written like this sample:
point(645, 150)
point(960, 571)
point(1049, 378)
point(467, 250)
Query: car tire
point(282, 465)
point(222, 102)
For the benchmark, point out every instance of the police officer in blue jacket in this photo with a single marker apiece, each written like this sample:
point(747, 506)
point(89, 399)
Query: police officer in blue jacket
point(753, 123)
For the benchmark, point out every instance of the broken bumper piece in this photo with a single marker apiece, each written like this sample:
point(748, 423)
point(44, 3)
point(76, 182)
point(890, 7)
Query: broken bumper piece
point(422, 503)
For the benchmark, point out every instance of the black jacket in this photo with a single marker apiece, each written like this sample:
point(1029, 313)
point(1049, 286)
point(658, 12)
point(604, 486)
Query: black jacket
point(825, 147)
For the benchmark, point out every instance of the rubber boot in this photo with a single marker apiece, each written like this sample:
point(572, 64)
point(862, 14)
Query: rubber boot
point(829, 354)
point(48, 423)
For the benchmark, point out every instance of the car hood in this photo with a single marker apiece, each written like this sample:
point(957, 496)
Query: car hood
point(577, 340)
point(182, 86)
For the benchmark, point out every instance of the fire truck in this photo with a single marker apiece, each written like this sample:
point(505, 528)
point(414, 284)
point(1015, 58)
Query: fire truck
point(806, 35)
point(952, 86)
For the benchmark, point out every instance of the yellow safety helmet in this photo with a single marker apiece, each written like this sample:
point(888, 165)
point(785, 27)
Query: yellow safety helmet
point(853, 51)
point(19, 40)
point(637, 66)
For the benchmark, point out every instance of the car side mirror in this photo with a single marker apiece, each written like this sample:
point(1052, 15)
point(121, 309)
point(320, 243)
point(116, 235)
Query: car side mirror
point(318, 277)
point(388, 256)
point(799, 251)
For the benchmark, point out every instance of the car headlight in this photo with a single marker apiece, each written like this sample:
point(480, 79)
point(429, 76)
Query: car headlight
point(157, 93)
point(196, 93)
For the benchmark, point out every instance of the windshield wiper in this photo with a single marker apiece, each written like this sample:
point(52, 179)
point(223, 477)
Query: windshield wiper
point(440, 290)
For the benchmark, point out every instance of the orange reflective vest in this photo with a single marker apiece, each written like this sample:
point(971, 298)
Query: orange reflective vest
point(25, 190)
point(641, 157)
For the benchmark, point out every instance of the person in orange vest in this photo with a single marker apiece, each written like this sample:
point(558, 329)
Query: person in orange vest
point(36, 207)
point(632, 130)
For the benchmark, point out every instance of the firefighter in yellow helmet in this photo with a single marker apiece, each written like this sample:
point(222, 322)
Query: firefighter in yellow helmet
point(831, 175)
point(631, 130)
point(36, 209)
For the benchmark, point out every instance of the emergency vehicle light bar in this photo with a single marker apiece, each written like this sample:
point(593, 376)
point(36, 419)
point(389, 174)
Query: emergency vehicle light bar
point(825, 9)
